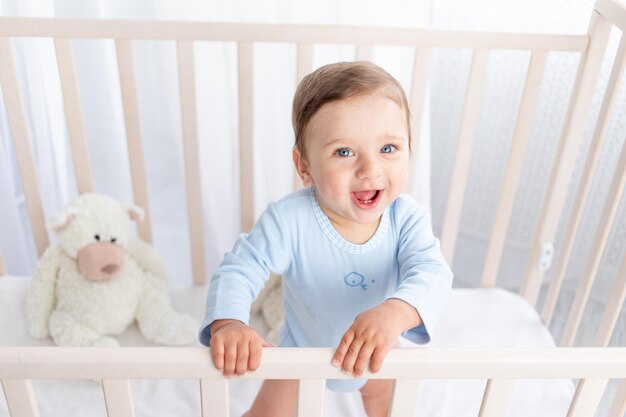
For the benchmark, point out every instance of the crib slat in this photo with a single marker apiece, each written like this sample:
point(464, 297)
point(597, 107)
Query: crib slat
point(618, 408)
point(609, 212)
point(311, 397)
point(187, 82)
point(2, 267)
point(118, 398)
point(584, 187)
point(214, 398)
point(21, 143)
point(496, 397)
point(20, 398)
point(246, 138)
point(613, 307)
point(133, 134)
point(364, 52)
point(514, 168)
point(74, 114)
point(587, 397)
point(565, 160)
point(463, 157)
point(417, 99)
point(305, 60)
point(404, 400)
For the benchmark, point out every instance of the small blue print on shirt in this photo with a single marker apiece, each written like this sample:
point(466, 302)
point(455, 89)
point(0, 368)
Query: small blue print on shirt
point(354, 279)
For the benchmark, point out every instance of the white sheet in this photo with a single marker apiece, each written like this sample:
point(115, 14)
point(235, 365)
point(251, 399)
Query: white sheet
point(476, 318)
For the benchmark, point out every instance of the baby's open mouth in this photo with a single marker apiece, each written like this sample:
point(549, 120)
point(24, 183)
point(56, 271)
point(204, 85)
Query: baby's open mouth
point(366, 198)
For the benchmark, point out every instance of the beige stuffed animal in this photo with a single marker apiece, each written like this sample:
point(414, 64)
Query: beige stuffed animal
point(98, 278)
point(269, 305)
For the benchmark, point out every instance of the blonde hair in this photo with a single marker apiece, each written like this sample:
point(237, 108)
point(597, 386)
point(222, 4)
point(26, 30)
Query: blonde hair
point(340, 81)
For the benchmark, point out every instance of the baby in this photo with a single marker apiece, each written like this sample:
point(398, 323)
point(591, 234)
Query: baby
point(360, 264)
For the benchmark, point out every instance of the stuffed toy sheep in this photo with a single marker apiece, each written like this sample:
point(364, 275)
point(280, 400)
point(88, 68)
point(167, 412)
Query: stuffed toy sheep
point(98, 278)
point(269, 305)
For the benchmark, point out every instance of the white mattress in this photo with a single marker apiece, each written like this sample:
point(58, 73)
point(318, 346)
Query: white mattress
point(476, 318)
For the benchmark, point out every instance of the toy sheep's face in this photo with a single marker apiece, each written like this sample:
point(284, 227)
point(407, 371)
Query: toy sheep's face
point(94, 230)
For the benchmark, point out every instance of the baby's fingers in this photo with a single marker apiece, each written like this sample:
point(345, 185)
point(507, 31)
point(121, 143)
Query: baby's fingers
point(217, 355)
point(243, 356)
point(230, 359)
point(378, 357)
point(363, 359)
point(342, 349)
point(256, 352)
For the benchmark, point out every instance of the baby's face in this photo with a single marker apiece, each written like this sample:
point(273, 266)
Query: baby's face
point(357, 155)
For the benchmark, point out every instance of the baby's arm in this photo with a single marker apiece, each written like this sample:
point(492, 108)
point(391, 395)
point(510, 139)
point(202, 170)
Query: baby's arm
point(236, 348)
point(371, 336)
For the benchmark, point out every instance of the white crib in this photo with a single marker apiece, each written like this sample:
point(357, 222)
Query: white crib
point(496, 370)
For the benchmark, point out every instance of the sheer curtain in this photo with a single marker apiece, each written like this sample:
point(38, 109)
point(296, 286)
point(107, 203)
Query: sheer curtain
point(156, 74)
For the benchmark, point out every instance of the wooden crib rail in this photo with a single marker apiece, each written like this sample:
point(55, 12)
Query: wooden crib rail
point(594, 366)
point(584, 188)
point(284, 33)
point(310, 363)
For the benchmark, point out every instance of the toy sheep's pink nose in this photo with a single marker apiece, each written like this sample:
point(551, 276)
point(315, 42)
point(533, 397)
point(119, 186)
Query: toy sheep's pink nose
point(100, 261)
point(110, 269)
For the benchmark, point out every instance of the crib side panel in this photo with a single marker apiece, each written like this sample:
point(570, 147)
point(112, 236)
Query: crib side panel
point(607, 218)
point(567, 152)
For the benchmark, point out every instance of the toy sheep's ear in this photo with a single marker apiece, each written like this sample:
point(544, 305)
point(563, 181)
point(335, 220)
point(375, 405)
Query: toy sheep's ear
point(136, 213)
point(63, 219)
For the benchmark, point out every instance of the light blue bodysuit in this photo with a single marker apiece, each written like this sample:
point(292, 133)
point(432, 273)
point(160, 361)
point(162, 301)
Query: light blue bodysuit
point(327, 280)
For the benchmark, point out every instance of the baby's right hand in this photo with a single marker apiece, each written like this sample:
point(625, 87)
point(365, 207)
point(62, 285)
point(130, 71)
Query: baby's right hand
point(235, 347)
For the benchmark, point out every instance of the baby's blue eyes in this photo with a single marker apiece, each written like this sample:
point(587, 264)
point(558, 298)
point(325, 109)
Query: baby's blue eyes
point(344, 152)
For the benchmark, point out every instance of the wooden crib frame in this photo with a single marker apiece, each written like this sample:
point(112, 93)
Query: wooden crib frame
point(594, 366)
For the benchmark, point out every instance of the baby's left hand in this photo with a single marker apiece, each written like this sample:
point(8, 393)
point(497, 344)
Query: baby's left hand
point(373, 333)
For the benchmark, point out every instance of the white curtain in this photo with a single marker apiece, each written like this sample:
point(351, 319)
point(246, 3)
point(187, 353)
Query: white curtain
point(156, 74)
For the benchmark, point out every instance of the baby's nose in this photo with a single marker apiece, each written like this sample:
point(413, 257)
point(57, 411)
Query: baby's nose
point(369, 168)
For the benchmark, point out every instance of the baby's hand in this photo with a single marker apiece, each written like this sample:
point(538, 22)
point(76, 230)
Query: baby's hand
point(371, 336)
point(235, 347)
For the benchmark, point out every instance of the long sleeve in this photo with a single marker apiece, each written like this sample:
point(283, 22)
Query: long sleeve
point(425, 278)
point(244, 271)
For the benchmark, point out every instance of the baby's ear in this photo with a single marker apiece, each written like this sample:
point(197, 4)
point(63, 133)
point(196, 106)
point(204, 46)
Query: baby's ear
point(136, 213)
point(302, 167)
point(63, 219)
